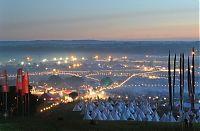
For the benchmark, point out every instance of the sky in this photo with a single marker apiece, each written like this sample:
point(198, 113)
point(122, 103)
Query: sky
point(99, 19)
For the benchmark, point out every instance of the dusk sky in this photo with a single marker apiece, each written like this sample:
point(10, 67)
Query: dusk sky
point(99, 19)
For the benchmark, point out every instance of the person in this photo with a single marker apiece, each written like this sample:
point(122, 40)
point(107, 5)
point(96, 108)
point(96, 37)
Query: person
point(186, 122)
point(190, 123)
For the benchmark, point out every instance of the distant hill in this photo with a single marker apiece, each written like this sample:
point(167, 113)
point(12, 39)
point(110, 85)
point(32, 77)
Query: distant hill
point(99, 46)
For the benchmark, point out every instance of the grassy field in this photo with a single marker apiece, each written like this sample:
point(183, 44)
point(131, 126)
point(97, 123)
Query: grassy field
point(61, 118)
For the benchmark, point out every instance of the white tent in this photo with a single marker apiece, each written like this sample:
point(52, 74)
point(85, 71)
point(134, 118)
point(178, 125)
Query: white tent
point(123, 117)
point(194, 120)
point(132, 117)
point(180, 119)
point(89, 107)
point(131, 109)
point(76, 108)
point(110, 107)
point(103, 116)
point(198, 119)
point(148, 117)
point(110, 117)
point(155, 117)
point(87, 116)
point(127, 113)
point(93, 114)
point(170, 117)
point(163, 118)
point(124, 110)
point(139, 118)
point(98, 116)
point(115, 115)
point(186, 116)
point(142, 115)
point(198, 112)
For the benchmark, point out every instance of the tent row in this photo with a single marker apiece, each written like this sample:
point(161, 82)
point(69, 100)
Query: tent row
point(121, 110)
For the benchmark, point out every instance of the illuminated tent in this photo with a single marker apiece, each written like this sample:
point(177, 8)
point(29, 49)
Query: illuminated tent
point(121, 110)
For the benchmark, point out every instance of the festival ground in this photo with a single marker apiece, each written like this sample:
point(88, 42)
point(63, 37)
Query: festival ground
point(62, 118)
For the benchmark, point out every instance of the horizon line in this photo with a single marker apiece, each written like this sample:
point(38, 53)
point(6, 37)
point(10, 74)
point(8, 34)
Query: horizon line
point(170, 40)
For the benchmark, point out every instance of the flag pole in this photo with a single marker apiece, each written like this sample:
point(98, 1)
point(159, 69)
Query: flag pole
point(28, 105)
point(22, 105)
point(6, 105)
point(181, 83)
point(25, 104)
point(169, 82)
point(17, 105)
point(174, 79)
point(193, 81)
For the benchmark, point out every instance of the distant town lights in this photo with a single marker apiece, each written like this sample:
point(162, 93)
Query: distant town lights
point(58, 62)
point(96, 57)
point(149, 97)
point(83, 58)
point(22, 63)
point(193, 53)
point(44, 60)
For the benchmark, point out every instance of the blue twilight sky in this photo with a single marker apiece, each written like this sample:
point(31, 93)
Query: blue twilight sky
point(99, 19)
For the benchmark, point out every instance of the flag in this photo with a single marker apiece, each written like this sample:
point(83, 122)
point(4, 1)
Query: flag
point(25, 83)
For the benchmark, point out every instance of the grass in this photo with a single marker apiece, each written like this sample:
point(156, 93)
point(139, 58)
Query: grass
point(62, 118)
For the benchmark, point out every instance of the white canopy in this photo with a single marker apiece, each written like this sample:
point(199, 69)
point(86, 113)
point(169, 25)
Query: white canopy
point(87, 116)
point(76, 108)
